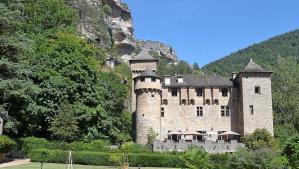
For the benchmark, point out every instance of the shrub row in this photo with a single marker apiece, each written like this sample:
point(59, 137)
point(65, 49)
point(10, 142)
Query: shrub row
point(28, 144)
point(103, 158)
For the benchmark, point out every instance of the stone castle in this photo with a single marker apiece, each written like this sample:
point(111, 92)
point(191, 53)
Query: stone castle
point(198, 108)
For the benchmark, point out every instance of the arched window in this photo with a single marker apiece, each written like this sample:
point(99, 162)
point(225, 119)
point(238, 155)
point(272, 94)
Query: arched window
point(165, 101)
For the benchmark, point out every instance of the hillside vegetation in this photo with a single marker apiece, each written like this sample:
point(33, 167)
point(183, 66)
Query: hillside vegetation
point(280, 55)
point(52, 83)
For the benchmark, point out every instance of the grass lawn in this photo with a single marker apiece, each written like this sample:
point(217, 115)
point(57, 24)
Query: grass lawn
point(63, 166)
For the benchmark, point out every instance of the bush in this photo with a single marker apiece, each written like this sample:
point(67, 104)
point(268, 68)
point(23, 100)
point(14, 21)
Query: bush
point(26, 145)
point(263, 158)
point(6, 144)
point(259, 139)
point(196, 159)
point(103, 158)
point(107, 9)
point(219, 161)
point(131, 147)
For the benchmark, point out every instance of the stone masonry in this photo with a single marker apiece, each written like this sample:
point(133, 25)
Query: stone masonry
point(193, 109)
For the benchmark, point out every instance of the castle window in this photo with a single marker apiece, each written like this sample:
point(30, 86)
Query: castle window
point(216, 101)
point(199, 111)
point(162, 111)
point(174, 92)
point(257, 89)
point(165, 101)
point(142, 79)
point(224, 92)
point(153, 79)
point(199, 92)
point(251, 109)
point(225, 111)
point(184, 101)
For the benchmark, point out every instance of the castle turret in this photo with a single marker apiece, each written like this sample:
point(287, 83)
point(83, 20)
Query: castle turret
point(255, 97)
point(148, 104)
point(138, 64)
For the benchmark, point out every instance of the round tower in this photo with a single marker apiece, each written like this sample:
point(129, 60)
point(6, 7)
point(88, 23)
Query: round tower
point(147, 88)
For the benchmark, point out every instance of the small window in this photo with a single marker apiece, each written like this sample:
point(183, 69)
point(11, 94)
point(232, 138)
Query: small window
point(199, 111)
point(153, 79)
point(153, 95)
point(162, 111)
point(174, 92)
point(251, 109)
point(224, 92)
point(225, 111)
point(184, 101)
point(257, 90)
point(199, 92)
point(142, 79)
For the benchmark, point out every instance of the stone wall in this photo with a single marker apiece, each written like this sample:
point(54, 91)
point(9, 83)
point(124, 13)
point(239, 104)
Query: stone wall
point(211, 147)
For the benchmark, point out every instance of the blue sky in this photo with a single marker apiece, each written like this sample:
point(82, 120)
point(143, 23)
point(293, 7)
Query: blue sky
point(203, 31)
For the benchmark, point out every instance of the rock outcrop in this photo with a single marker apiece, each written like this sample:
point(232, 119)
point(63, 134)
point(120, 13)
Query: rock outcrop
point(113, 30)
point(162, 49)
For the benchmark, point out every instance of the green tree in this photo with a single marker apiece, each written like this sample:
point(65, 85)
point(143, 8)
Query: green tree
point(291, 150)
point(64, 125)
point(196, 159)
point(259, 139)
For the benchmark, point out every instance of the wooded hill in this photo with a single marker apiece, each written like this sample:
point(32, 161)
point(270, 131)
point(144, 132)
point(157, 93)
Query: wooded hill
point(279, 54)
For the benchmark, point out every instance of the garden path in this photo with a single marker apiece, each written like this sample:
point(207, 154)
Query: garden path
point(15, 163)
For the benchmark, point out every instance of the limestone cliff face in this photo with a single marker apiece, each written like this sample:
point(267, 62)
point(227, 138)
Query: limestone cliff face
point(113, 30)
point(162, 49)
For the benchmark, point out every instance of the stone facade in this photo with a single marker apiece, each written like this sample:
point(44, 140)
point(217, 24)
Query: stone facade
point(194, 108)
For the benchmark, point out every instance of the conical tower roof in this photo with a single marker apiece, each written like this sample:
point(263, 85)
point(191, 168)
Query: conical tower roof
point(144, 55)
point(253, 67)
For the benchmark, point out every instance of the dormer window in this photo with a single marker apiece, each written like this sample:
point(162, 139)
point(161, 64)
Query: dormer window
point(224, 92)
point(142, 79)
point(153, 79)
point(257, 89)
point(180, 80)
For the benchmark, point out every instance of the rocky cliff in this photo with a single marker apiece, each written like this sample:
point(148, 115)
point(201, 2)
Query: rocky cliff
point(109, 23)
point(162, 49)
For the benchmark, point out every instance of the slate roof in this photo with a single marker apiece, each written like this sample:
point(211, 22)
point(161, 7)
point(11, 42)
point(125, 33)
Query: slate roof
point(148, 73)
point(200, 81)
point(253, 67)
point(143, 55)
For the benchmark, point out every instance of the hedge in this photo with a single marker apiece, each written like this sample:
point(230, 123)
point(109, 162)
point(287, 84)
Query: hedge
point(6, 144)
point(103, 158)
point(29, 144)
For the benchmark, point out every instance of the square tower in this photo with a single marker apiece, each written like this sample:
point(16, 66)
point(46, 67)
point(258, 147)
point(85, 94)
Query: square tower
point(255, 99)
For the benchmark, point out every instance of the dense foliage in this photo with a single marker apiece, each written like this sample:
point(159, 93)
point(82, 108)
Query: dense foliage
point(52, 83)
point(280, 55)
point(6, 144)
point(291, 150)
